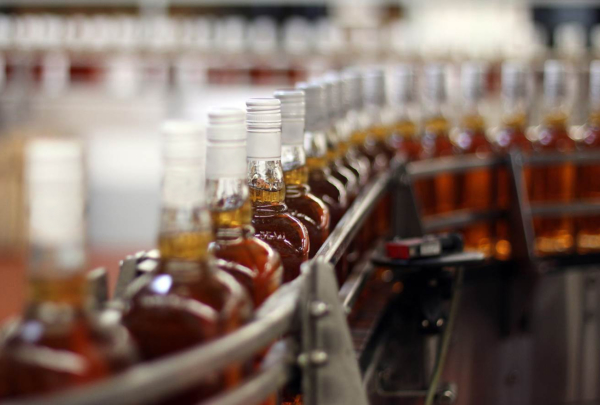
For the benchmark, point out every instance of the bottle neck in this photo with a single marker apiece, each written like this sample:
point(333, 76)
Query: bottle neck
point(228, 201)
point(293, 159)
point(185, 226)
point(266, 182)
point(57, 256)
point(514, 113)
point(472, 120)
point(315, 145)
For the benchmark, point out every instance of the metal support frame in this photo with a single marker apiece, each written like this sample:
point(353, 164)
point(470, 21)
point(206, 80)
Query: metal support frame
point(330, 371)
point(331, 374)
point(311, 302)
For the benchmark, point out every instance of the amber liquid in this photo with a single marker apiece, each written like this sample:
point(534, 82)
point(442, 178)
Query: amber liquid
point(436, 195)
point(475, 188)
point(588, 188)
point(186, 304)
point(275, 226)
point(553, 184)
point(404, 140)
point(327, 188)
point(371, 143)
point(306, 207)
point(56, 346)
point(510, 137)
point(345, 175)
point(253, 263)
point(359, 165)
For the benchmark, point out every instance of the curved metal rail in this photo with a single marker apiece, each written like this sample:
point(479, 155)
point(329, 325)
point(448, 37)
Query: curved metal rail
point(175, 373)
point(451, 164)
point(277, 316)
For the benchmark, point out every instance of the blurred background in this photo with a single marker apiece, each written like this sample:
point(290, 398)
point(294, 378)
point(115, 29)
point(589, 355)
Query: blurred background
point(111, 71)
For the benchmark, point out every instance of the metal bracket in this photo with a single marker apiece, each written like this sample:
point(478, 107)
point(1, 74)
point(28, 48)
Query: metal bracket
point(331, 373)
point(406, 212)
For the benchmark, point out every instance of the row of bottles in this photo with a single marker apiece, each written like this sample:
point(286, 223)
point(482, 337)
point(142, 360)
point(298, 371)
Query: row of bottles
point(238, 218)
point(484, 189)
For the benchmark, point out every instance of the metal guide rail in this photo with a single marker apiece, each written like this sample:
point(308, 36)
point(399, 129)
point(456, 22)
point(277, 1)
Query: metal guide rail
point(460, 164)
point(311, 303)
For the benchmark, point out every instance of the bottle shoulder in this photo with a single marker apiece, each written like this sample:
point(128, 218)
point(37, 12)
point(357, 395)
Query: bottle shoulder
point(199, 289)
point(51, 347)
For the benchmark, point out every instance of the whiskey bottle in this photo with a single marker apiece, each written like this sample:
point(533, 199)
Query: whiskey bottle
point(271, 218)
point(352, 100)
point(302, 204)
point(373, 140)
point(437, 195)
point(189, 301)
point(588, 176)
point(474, 188)
point(511, 135)
point(58, 343)
point(321, 182)
point(554, 183)
point(405, 135)
point(252, 262)
point(334, 115)
point(377, 144)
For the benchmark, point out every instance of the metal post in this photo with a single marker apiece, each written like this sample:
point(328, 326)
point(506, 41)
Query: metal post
point(331, 373)
point(405, 211)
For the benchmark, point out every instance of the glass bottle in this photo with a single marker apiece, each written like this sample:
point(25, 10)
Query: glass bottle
point(405, 135)
point(474, 187)
point(352, 101)
point(511, 135)
point(252, 262)
point(376, 144)
point(189, 301)
point(588, 176)
point(271, 218)
point(436, 195)
point(58, 343)
point(554, 183)
point(302, 204)
point(321, 182)
point(333, 106)
point(372, 140)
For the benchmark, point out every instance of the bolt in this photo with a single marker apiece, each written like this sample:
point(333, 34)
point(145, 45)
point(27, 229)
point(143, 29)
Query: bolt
point(447, 397)
point(316, 358)
point(319, 309)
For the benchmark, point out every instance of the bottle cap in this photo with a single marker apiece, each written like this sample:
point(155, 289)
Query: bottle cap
point(472, 80)
point(352, 94)
point(315, 105)
point(54, 160)
point(435, 82)
point(183, 142)
point(226, 147)
point(514, 80)
point(555, 79)
point(263, 124)
point(334, 98)
point(226, 124)
point(54, 173)
point(405, 83)
point(374, 87)
point(293, 111)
